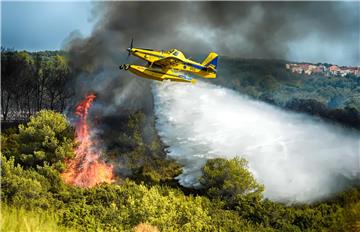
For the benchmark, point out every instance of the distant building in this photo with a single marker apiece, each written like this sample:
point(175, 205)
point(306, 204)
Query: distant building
point(309, 69)
point(334, 69)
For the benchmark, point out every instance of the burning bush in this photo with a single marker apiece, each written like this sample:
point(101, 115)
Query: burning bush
point(86, 169)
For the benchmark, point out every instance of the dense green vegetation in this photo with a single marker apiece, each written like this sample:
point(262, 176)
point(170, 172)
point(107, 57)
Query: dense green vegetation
point(230, 201)
point(230, 181)
point(46, 140)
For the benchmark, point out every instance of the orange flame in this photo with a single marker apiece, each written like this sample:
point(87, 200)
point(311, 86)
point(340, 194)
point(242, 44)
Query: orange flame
point(86, 169)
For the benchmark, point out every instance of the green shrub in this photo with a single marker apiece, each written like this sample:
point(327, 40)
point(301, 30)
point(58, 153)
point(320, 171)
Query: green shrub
point(46, 139)
point(230, 180)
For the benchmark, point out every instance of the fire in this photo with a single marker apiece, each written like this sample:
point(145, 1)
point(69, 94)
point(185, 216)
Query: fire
point(86, 169)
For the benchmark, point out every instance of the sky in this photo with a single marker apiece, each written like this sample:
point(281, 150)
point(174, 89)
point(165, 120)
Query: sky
point(42, 25)
point(307, 32)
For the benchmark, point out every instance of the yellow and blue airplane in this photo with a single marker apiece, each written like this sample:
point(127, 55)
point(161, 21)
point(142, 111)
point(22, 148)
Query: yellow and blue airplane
point(170, 65)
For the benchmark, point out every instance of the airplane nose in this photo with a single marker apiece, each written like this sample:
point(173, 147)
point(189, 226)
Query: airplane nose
point(128, 49)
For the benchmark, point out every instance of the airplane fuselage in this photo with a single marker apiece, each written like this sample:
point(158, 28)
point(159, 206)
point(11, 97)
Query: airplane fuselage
point(159, 74)
point(175, 59)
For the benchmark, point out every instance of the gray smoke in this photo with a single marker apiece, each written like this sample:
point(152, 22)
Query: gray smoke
point(297, 158)
point(243, 29)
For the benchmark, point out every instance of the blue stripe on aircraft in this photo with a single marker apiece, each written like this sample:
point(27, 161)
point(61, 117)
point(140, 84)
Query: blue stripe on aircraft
point(196, 66)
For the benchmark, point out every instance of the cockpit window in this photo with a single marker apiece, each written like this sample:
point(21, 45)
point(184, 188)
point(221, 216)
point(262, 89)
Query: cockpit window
point(176, 53)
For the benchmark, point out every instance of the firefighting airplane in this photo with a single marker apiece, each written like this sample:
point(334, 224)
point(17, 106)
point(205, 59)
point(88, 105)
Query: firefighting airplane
point(169, 65)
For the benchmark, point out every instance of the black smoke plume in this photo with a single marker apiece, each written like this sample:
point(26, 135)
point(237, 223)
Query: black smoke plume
point(244, 29)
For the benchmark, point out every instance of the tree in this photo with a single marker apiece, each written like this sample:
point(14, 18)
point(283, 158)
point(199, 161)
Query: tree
point(40, 81)
point(27, 84)
point(46, 139)
point(15, 70)
point(58, 74)
point(230, 180)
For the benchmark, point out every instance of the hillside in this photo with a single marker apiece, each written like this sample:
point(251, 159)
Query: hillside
point(335, 98)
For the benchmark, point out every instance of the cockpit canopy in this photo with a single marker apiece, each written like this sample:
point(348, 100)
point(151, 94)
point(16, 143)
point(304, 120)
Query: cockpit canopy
point(176, 53)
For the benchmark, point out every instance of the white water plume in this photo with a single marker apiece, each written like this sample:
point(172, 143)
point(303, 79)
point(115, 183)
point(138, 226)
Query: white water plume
point(296, 157)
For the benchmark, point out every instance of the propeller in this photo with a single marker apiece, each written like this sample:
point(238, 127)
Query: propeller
point(131, 46)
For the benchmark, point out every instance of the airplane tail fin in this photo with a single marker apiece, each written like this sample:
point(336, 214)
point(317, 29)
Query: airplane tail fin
point(211, 61)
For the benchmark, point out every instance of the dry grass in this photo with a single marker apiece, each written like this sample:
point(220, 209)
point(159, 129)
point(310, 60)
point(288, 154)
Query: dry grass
point(144, 227)
point(20, 220)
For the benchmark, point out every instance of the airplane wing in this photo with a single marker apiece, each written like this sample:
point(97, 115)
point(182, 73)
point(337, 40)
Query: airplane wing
point(167, 62)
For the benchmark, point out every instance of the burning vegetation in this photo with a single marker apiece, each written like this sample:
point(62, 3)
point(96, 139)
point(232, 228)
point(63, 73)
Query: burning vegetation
point(87, 169)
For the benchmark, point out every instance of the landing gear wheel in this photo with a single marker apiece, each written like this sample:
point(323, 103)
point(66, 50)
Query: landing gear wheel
point(121, 67)
point(126, 66)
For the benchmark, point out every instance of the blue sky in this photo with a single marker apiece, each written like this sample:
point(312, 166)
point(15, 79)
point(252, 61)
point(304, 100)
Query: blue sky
point(42, 25)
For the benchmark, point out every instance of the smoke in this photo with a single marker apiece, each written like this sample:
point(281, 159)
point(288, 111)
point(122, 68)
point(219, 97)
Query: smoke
point(282, 30)
point(296, 157)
